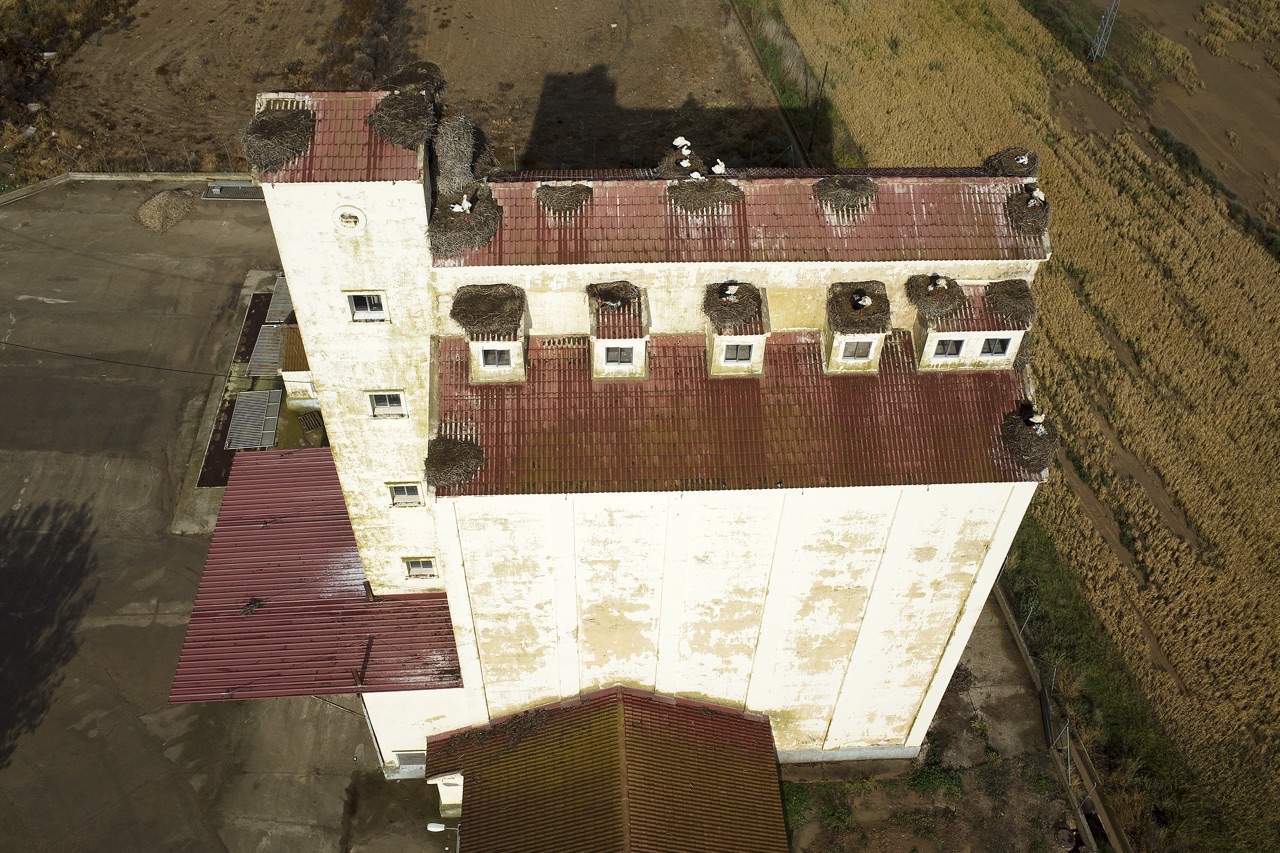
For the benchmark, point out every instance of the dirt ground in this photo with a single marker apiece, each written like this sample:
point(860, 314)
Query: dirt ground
point(570, 83)
point(985, 785)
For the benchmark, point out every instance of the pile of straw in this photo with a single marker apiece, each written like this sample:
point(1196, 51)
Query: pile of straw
point(936, 296)
point(706, 194)
point(1012, 298)
point(845, 193)
point(165, 209)
point(1004, 164)
point(489, 310)
point(848, 318)
point(1028, 214)
point(730, 304)
point(1029, 449)
point(275, 138)
point(451, 233)
point(452, 460)
point(563, 198)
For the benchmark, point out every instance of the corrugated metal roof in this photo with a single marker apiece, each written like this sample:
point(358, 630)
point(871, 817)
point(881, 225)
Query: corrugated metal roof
point(267, 352)
point(559, 432)
point(281, 302)
point(624, 321)
point(976, 318)
point(295, 354)
point(632, 221)
point(254, 420)
point(618, 771)
point(344, 147)
point(282, 610)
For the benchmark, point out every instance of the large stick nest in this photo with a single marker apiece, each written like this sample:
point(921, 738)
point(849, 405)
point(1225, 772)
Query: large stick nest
point(671, 170)
point(1012, 298)
point(845, 193)
point(275, 138)
point(461, 151)
point(406, 117)
point(452, 460)
point(936, 296)
point(706, 194)
point(452, 233)
point(847, 317)
point(563, 198)
point(1004, 164)
point(424, 77)
point(489, 310)
point(165, 209)
point(1027, 446)
point(614, 294)
point(730, 304)
point(1028, 214)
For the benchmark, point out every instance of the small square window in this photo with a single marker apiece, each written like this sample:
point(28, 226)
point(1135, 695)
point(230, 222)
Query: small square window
point(948, 349)
point(995, 346)
point(421, 567)
point(497, 357)
point(617, 355)
point(406, 494)
point(386, 405)
point(737, 352)
point(366, 307)
point(856, 350)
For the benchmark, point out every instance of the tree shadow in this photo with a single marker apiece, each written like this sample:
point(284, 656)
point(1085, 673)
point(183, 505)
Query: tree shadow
point(47, 556)
point(579, 124)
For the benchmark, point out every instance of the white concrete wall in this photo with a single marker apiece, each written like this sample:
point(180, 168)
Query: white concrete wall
point(402, 720)
point(971, 357)
point(838, 612)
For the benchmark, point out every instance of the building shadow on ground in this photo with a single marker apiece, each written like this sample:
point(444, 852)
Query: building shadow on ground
point(47, 557)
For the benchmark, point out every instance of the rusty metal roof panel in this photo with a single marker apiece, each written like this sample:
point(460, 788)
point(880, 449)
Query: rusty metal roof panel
point(560, 432)
point(344, 148)
point(281, 609)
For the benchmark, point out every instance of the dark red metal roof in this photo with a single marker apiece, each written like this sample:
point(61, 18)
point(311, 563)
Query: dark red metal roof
point(344, 147)
point(976, 318)
point(282, 610)
point(625, 321)
point(680, 430)
point(632, 221)
point(617, 771)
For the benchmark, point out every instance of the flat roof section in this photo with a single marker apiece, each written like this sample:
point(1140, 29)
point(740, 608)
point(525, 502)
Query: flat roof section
point(681, 430)
point(952, 218)
point(282, 610)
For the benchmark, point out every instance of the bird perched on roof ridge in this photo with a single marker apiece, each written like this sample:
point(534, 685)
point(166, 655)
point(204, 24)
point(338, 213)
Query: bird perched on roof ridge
point(718, 168)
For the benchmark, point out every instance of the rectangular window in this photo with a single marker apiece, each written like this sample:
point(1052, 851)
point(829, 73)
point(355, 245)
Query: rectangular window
point(366, 307)
point(948, 349)
point(617, 355)
point(421, 567)
point(387, 405)
point(995, 346)
point(497, 357)
point(857, 350)
point(737, 352)
point(405, 494)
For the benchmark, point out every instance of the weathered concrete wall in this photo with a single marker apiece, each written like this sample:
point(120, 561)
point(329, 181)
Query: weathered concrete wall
point(402, 721)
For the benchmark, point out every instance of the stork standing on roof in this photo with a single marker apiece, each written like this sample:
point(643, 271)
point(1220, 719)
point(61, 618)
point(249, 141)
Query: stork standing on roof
point(718, 168)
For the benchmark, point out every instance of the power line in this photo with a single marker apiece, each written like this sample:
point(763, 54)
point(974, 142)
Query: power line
point(109, 361)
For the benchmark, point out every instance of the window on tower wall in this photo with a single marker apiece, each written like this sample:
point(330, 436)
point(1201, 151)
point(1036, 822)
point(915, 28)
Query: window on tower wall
point(366, 307)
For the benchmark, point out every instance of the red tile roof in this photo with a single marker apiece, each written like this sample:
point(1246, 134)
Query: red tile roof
point(622, 322)
point(344, 148)
point(976, 318)
point(559, 432)
point(618, 771)
point(632, 221)
point(284, 541)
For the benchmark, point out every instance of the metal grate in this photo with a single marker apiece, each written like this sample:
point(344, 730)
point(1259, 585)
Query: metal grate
point(310, 421)
point(268, 352)
point(281, 302)
point(253, 421)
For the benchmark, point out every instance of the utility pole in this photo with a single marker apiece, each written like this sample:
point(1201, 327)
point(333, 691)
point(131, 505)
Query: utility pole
point(1099, 48)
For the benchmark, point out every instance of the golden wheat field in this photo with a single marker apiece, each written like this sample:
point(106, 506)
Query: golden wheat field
point(1158, 353)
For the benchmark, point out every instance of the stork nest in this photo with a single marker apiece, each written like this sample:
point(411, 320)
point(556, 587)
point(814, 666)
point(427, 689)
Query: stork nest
point(1023, 358)
point(614, 294)
point(730, 304)
point(704, 195)
point(845, 193)
point(165, 209)
point(671, 170)
point(936, 296)
point(489, 310)
point(456, 146)
point(452, 460)
point(425, 77)
point(848, 318)
point(1029, 449)
point(1012, 298)
point(563, 198)
point(1028, 214)
point(275, 138)
point(406, 117)
point(1004, 164)
point(452, 233)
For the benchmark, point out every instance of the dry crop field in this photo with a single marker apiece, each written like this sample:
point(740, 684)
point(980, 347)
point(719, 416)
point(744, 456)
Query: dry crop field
point(1156, 355)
